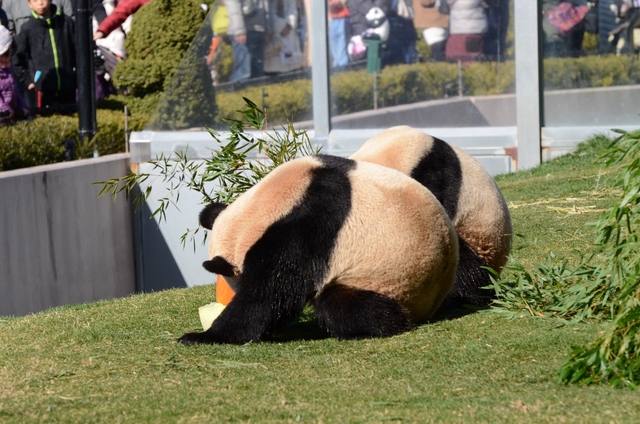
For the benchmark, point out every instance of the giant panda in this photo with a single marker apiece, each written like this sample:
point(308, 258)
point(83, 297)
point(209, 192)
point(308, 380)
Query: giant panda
point(470, 196)
point(372, 249)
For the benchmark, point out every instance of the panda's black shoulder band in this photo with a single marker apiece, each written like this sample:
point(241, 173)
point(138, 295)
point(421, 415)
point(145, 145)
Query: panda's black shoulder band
point(440, 171)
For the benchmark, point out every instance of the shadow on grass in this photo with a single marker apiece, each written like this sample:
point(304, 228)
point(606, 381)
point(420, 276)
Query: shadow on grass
point(307, 328)
point(299, 331)
point(453, 312)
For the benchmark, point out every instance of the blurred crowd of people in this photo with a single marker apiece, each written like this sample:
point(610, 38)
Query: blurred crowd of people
point(615, 22)
point(38, 54)
point(271, 36)
point(267, 36)
point(37, 38)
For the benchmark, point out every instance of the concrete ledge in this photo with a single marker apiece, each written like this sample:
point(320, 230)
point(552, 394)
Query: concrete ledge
point(61, 244)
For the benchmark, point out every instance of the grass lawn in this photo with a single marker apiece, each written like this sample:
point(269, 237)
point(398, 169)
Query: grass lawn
point(117, 361)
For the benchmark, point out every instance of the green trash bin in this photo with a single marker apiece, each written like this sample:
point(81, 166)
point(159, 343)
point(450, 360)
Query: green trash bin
point(374, 61)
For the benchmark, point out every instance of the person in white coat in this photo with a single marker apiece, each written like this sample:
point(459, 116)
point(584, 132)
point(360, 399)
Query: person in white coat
point(282, 52)
point(467, 25)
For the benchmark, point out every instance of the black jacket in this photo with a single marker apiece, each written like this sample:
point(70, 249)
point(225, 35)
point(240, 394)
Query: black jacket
point(54, 55)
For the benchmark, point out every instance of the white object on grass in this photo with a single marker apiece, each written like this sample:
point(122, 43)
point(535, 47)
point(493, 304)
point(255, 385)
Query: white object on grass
point(209, 313)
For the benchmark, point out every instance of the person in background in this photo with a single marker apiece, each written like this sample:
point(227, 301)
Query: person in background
point(305, 33)
point(607, 22)
point(401, 44)
point(18, 12)
point(358, 10)
point(45, 57)
point(219, 26)
point(249, 24)
point(123, 10)
point(622, 38)
point(114, 42)
point(467, 26)
point(97, 9)
point(4, 20)
point(339, 32)
point(282, 51)
point(433, 25)
point(556, 44)
point(495, 39)
point(12, 105)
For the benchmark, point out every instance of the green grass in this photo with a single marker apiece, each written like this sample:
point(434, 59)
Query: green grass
point(552, 205)
point(117, 361)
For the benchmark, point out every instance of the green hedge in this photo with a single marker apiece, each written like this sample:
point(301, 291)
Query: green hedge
point(168, 39)
point(404, 84)
point(161, 33)
point(591, 71)
point(41, 141)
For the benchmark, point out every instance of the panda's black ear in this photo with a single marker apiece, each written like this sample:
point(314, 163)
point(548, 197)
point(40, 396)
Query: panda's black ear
point(219, 265)
point(210, 213)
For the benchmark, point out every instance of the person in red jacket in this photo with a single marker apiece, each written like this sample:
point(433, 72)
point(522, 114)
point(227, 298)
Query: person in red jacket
point(122, 11)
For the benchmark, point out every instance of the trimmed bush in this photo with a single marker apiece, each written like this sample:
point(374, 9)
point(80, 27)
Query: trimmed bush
point(490, 78)
point(165, 41)
point(406, 84)
point(189, 101)
point(291, 99)
point(591, 71)
point(38, 142)
point(41, 141)
point(352, 91)
point(161, 33)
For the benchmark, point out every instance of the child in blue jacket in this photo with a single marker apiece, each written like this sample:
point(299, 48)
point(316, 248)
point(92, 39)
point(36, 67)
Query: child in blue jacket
point(45, 57)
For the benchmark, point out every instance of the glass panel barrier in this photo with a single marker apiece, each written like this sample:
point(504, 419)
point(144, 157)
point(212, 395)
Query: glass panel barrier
point(260, 54)
point(410, 62)
point(591, 65)
point(429, 64)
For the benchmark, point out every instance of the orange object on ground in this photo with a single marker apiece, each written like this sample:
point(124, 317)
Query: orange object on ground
point(224, 293)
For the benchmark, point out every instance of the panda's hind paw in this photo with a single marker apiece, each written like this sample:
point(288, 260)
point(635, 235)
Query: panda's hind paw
point(195, 338)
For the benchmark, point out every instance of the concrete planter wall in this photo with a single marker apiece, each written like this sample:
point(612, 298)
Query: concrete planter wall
point(59, 243)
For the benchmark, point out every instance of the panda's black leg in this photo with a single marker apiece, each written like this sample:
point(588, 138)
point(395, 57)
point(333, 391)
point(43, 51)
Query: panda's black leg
point(470, 278)
point(349, 313)
point(240, 322)
point(256, 309)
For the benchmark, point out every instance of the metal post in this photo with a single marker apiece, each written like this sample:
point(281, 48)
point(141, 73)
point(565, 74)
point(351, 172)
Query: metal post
point(86, 84)
point(375, 90)
point(459, 78)
point(127, 131)
point(529, 96)
point(320, 68)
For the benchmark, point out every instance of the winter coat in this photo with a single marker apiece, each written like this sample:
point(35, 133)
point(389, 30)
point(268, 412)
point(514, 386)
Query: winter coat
point(358, 10)
point(120, 14)
point(467, 17)
point(338, 9)
point(10, 98)
point(282, 53)
point(38, 49)
point(4, 20)
point(97, 9)
point(248, 15)
point(428, 17)
point(19, 11)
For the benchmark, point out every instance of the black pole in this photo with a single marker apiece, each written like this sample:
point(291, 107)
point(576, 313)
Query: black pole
point(84, 62)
